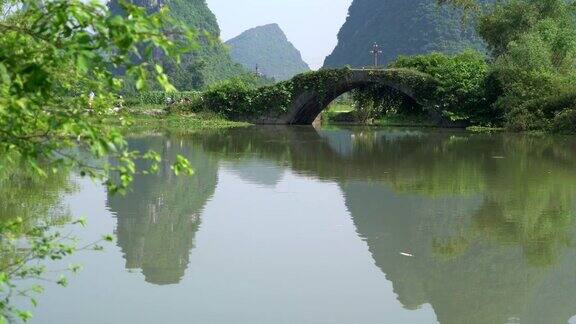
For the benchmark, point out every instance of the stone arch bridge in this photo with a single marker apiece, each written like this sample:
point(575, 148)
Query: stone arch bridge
point(314, 91)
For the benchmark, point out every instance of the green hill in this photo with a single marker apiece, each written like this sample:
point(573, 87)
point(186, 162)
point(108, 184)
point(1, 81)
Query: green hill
point(211, 62)
point(400, 27)
point(268, 48)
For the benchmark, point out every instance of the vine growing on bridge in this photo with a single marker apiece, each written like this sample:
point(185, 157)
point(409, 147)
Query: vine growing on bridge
point(375, 101)
point(234, 99)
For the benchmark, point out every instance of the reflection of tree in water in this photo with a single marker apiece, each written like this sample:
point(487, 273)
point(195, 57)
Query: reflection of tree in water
point(465, 276)
point(527, 183)
point(489, 218)
point(31, 197)
point(35, 201)
point(485, 254)
point(157, 220)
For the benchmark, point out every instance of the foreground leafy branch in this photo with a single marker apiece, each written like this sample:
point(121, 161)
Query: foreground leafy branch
point(23, 260)
point(62, 62)
point(57, 79)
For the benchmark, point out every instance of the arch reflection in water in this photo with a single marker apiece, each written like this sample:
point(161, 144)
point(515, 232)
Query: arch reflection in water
point(158, 218)
point(489, 218)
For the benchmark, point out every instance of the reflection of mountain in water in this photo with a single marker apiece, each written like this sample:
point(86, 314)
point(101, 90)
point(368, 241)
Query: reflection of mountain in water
point(489, 218)
point(157, 220)
point(262, 173)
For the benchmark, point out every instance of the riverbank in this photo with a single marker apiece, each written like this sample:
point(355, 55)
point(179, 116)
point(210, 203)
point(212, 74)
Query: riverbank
point(154, 118)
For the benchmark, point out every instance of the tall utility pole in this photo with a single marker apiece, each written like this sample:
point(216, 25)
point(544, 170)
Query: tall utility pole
point(376, 52)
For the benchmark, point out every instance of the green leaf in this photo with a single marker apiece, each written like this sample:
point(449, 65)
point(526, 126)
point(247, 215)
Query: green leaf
point(140, 84)
point(4, 76)
point(116, 21)
point(82, 63)
point(62, 281)
point(24, 315)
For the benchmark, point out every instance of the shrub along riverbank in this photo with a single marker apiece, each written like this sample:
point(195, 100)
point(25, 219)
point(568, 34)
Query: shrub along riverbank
point(155, 117)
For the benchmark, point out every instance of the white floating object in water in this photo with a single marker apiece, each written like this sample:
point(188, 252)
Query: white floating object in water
point(498, 157)
point(406, 254)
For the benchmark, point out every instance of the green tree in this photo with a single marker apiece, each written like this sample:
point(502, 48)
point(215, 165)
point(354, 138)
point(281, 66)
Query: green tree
point(463, 92)
point(533, 47)
point(56, 87)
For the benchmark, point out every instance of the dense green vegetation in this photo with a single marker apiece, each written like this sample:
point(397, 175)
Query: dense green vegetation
point(159, 97)
point(267, 48)
point(157, 120)
point(209, 62)
point(532, 58)
point(463, 91)
point(533, 45)
point(400, 28)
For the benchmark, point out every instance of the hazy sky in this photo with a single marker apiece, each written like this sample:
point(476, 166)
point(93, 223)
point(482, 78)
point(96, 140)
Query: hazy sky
point(311, 25)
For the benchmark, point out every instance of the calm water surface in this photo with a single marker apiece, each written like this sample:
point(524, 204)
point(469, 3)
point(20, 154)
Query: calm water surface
point(295, 225)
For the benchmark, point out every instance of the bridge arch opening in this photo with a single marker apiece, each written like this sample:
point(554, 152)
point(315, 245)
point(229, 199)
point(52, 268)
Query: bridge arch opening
point(368, 102)
point(310, 103)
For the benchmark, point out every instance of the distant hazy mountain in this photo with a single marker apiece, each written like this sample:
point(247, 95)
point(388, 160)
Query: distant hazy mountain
point(400, 27)
point(268, 48)
point(211, 62)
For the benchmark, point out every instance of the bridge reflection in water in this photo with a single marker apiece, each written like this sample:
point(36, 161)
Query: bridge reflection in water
point(488, 218)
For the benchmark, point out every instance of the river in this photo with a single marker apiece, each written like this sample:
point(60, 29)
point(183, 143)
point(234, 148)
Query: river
point(337, 225)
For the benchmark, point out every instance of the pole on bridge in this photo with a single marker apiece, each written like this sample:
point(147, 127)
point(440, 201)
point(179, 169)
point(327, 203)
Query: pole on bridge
point(376, 52)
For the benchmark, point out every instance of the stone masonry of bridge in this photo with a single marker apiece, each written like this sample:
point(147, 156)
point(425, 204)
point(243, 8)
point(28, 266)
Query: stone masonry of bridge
point(308, 102)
